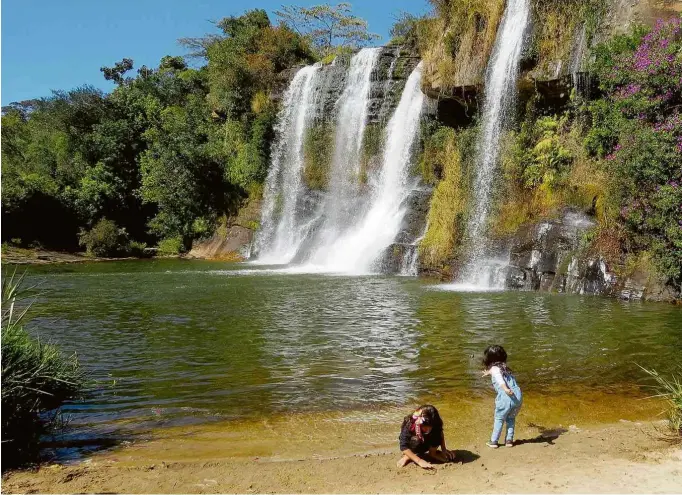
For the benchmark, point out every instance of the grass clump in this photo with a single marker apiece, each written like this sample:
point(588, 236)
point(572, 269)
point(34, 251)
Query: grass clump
point(442, 165)
point(318, 146)
point(670, 390)
point(36, 380)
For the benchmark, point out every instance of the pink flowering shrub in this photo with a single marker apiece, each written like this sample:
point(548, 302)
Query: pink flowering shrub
point(637, 129)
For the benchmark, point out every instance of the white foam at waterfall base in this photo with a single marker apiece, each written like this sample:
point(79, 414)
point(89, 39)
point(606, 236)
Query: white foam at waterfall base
point(500, 87)
point(280, 235)
point(357, 249)
point(340, 206)
point(489, 278)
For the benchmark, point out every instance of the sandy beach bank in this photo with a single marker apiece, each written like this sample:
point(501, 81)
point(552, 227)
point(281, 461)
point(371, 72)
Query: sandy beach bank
point(626, 457)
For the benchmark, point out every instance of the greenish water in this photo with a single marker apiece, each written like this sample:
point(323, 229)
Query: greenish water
point(172, 342)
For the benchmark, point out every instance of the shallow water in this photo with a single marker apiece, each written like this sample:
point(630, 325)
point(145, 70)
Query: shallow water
point(177, 343)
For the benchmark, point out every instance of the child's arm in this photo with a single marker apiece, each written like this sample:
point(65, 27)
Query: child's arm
point(417, 460)
point(404, 440)
point(449, 454)
point(497, 375)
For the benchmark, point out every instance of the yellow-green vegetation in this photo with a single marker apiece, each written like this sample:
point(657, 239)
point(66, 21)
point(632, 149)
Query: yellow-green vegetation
point(171, 246)
point(557, 25)
point(670, 390)
point(442, 164)
point(371, 150)
point(318, 146)
point(545, 168)
point(456, 43)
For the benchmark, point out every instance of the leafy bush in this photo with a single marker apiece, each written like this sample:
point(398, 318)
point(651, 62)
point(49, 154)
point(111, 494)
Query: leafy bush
point(171, 246)
point(137, 249)
point(36, 380)
point(105, 239)
point(637, 129)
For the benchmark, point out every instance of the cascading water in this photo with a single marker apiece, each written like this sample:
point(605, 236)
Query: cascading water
point(280, 235)
point(361, 245)
point(409, 266)
point(501, 79)
point(341, 202)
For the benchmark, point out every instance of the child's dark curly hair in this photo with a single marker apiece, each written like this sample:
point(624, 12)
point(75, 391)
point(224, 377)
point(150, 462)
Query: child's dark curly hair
point(494, 354)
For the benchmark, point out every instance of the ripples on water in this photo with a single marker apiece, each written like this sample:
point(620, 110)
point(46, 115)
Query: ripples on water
point(179, 341)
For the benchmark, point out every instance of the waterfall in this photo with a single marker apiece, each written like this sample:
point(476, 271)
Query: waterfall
point(280, 235)
point(581, 80)
point(341, 202)
point(409, 266)
point(348, 227)
point(501, 79)
point(359, 247)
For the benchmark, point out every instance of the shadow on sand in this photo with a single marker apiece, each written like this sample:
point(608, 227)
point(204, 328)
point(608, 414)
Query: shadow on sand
point(547, 435)
point(465, 456)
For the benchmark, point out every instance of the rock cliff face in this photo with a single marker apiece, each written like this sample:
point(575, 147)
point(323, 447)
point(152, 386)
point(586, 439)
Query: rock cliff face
point(556, 58)
point(547, 257)
point(232, 239)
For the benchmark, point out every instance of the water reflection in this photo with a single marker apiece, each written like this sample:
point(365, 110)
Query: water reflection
point(169, 342)
point(341, 342)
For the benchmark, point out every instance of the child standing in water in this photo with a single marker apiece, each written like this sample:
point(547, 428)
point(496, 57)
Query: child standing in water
point(508, 400)
point(420, 435)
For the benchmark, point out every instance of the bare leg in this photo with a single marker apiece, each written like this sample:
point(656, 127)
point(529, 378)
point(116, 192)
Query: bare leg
point(404, 461)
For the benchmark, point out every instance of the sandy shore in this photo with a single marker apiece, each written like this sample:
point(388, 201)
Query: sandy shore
point(626, 457)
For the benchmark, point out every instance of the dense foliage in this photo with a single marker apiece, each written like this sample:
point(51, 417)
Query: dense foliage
point(162, 156)
point(616, 155)
point(637, 129)
point(36, 380)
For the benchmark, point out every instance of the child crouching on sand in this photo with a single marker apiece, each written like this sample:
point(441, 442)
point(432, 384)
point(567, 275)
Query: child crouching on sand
point(420, 436)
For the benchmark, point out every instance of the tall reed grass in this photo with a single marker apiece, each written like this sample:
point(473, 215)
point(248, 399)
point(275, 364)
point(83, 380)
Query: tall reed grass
point(670, 390)
point(36, 378)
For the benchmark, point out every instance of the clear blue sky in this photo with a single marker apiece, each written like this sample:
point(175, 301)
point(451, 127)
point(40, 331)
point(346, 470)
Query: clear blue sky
point(61, 44)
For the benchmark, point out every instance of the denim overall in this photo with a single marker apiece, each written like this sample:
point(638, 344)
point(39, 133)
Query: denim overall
point(506, 408)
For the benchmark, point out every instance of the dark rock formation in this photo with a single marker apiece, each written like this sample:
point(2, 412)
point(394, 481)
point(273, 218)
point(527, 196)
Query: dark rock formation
point(547, 257)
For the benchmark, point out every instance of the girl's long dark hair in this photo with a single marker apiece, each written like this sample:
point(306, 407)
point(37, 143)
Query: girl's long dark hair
point(495, 355)
point(430, 413)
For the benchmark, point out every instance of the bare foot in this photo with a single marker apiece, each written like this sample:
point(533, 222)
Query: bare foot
point(404, 461)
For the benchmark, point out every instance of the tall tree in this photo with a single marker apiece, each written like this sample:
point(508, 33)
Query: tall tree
point(328, 26)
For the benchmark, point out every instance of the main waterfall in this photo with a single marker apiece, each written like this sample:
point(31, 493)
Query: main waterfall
point(340, 207)
point(374, 230)
point(500, 87)
point(349, 225)
point(280, 235)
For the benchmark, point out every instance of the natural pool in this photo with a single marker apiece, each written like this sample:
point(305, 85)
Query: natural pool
point(195, 344)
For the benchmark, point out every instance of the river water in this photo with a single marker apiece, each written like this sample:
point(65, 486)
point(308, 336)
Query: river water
point(172, 343)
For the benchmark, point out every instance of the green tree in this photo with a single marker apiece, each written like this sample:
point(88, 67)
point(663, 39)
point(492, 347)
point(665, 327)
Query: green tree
point(328, 26)
point(116, 72)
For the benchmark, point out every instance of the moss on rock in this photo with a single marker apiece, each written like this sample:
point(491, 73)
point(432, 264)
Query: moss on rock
point(318, 148)
point(442, 165)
